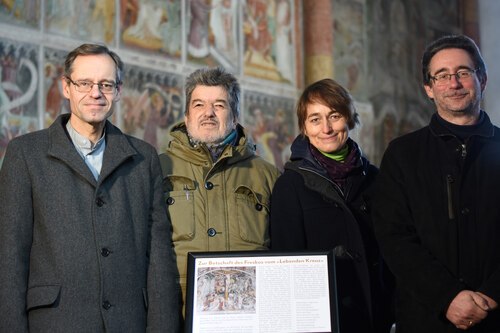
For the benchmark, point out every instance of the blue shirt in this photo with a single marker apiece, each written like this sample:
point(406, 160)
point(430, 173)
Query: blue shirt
point(91, 154)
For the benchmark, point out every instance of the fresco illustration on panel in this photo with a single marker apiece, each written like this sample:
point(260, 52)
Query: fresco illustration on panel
point(18, 91)
point(268, 46)
point(55, 102)
point(212, 32)
point(152, 25)
point(20, 12)
point(270, 122)
point(151, 103)
point(226, 289)
point(84, 19)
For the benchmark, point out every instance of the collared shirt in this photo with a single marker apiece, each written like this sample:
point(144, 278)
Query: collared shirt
point(91, 154)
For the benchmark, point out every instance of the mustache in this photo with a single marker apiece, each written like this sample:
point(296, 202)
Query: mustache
point(456, 93)
point(209, 119)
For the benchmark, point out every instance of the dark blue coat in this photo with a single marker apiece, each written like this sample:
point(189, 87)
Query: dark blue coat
point(308, 212)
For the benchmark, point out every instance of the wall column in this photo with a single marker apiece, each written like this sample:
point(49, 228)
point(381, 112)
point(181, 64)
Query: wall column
point(318, 40)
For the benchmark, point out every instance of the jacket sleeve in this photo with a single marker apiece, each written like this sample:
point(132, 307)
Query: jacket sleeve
point(287, 225)
point(16, 229)
point(417, 271)
point(163, 289)
point(491, 287)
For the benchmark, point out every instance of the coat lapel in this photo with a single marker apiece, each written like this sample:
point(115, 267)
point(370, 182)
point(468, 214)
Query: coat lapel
point(118, 150)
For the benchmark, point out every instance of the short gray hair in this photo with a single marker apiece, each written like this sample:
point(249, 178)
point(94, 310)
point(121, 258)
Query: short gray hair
point(211, 77)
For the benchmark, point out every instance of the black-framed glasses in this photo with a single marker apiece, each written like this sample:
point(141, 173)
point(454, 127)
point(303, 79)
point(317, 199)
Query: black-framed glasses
point(85, 86)
point(445, 78)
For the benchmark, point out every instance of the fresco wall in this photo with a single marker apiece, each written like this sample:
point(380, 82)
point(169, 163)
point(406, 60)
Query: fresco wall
point(376, 55)
point(160, 41)
point(378, 45)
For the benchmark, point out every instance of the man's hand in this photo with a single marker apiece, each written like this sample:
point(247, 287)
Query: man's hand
point(492, 304)
point(467, 309)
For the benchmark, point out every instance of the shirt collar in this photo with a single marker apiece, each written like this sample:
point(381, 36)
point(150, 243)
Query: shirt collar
point(83, 143)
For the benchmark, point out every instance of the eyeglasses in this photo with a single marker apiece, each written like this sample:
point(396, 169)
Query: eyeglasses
point(85, 86)
point(444, 78)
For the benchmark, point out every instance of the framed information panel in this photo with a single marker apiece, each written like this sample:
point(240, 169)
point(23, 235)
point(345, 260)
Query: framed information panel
point(261, 291)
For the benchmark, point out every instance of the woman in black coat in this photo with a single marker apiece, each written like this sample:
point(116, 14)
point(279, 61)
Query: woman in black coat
point(320, 202)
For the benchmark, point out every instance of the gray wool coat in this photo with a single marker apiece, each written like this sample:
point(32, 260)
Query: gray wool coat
point(80, 255)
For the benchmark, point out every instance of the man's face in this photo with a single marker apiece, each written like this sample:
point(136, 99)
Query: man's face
point(456, 97)
point(93, 107)
point(209, 118)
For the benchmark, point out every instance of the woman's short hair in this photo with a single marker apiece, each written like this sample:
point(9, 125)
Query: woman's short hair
point(331, 94)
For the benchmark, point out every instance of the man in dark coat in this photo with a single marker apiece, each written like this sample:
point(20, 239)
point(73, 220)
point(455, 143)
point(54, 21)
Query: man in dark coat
point(85, 242)
point(435, 212)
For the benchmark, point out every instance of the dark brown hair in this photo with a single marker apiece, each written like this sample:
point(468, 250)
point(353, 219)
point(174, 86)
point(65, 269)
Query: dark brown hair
point(453, 42)
point(331, 94)
point(93, 49)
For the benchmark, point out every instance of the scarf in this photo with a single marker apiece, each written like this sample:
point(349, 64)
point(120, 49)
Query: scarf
point(339, 171)
point(216, 149)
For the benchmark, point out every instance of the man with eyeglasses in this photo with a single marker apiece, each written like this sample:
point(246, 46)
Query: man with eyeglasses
point(85, 243)
point(435, 212)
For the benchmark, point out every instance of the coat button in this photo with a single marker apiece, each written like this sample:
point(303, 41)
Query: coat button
point(105, 252)
point(209, 185)
point(99, 202)
point(364, 208)
point(106, 305)
point(211, 232)
point(170, 201)
point(258, 207)
point(465, 211)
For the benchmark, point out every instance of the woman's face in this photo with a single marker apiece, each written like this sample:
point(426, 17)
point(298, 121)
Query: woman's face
point(326, 129)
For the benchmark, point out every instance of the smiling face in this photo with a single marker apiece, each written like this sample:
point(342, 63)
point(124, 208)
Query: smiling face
point(209, 118)
point(457, 98)
point(326, 129)
point(92, 108)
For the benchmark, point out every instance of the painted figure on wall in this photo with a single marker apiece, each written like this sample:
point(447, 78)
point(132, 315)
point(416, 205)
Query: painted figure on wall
point(55, 103)
point(18, 91)
point(95, 19)
point(23, 12)
point(270, 122)
point(267, 30)
point(349, 45)
point(198, 36)
point(151, 103)
point(152, 25)
point(212, 32)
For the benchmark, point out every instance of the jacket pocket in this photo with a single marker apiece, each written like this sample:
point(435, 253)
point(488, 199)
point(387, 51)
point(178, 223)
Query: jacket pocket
point(42, 296)
point(252, 216)
point(179, 195)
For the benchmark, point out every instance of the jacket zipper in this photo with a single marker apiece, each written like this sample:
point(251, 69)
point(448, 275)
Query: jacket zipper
point(464, 150)
point(449, 181)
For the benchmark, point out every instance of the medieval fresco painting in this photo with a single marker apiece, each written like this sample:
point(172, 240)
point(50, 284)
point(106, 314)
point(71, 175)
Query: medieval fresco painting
point(212, 33)
point(151, 103)
point(83, 19)
point(270, 122)
point(268, 47)
point(55, 103)
point(226, 290)
point(20, 12)
point(18, 91)
point(152, 26)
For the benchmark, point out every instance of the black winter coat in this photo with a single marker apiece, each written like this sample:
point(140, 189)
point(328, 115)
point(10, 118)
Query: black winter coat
point(309, 212)
point(437, 219)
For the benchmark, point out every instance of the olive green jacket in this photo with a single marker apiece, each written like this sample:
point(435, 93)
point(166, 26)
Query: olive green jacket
point(216, 206)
